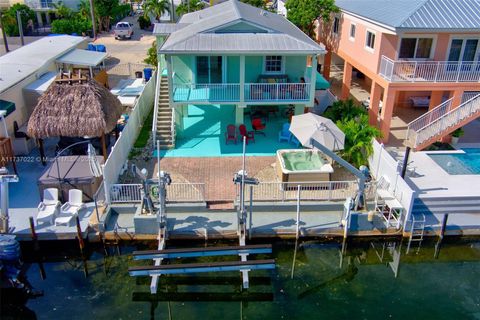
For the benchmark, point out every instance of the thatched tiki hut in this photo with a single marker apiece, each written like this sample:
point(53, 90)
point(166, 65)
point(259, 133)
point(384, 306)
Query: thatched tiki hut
point(75, 107)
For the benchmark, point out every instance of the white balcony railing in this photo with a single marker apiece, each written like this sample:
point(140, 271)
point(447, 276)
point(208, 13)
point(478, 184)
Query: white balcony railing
point(277, 91)
point(230, 92)
point(429, 71)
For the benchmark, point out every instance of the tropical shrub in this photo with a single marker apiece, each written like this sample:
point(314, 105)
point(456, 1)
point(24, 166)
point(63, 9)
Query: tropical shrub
point(344, 109)
point(144, 22)
point(9, 18)
point(358, 139)
point(189, 6)
point(152, 56)
point(72, 25)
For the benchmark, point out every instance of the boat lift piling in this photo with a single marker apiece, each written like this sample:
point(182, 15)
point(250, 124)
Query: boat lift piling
point(36, 248)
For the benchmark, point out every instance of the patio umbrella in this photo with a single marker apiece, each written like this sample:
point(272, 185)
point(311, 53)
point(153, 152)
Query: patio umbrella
point(93, 163)
point(308, 126)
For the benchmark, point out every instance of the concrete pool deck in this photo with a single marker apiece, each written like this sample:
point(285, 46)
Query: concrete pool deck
point(430, 180)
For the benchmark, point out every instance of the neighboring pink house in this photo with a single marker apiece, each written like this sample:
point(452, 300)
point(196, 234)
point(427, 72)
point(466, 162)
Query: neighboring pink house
point(417, 54)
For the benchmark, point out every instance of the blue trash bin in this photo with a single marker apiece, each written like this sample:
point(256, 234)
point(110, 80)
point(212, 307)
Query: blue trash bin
point(147, 73)
point(91, 47)
point(101, 48)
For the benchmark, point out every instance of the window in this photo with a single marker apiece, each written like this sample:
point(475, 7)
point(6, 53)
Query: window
point(370, 41)
point(415, 48)
point(353, 29)
point(336, 25)
point(273, 64)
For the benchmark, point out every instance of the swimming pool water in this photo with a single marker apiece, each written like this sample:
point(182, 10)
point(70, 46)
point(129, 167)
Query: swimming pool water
point(459, 163)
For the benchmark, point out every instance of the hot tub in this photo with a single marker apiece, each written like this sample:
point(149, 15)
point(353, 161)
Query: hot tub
point(295, 165)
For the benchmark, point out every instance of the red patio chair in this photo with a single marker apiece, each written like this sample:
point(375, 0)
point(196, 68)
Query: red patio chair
point(258, 126)
point(231, 134)
point(250, 135)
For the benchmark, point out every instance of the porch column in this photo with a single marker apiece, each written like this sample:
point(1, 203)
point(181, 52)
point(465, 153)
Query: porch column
point(178, 119)
point(435, 99)
point(47, 17)
point(457, 98)
point(169, 61)
point(299, 109)
point(347, 80)
point(313, 80)
point(375, 93)
point(242, 81)
point(238, 115)
point(39, 19)
point(389, 98)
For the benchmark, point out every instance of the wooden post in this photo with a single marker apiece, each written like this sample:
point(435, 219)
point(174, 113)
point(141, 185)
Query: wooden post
point(36, 248)
point(42, 152)
point(104, 147)
point(81, 244)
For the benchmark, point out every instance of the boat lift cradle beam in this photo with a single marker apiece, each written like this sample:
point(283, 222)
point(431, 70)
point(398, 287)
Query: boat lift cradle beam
point(201, 252)
point(202, 267)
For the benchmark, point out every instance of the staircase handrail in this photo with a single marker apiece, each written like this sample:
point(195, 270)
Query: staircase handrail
point(448, 114)
point(160, 67)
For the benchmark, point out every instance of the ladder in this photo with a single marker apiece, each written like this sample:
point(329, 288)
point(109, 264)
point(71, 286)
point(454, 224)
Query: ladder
point(417, 230)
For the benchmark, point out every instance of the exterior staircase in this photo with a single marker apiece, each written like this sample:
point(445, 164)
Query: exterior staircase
point(440, 121)
point(164, 117)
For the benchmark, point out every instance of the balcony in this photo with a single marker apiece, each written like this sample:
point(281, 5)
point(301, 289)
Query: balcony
point(40, 4)
point(253, 92)
point(429, 71)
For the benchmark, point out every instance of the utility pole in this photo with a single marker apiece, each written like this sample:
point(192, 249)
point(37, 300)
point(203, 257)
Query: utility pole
point(20, 27)
point(4, 34)
point(92, 16)
point(172, 14)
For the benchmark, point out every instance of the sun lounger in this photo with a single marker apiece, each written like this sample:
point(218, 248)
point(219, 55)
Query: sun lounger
point(71, 208)
point(48, 208)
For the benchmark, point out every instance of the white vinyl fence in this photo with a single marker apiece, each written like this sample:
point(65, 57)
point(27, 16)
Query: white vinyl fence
point(383, 164)
point(120, 151)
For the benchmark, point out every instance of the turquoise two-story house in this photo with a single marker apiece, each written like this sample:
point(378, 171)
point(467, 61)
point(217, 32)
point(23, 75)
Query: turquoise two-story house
point(236, 55)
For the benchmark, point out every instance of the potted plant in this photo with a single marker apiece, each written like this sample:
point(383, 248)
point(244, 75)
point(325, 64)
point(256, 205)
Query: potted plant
point(457, 134)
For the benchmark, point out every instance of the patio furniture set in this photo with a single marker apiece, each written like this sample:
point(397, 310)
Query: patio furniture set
point(51, 211)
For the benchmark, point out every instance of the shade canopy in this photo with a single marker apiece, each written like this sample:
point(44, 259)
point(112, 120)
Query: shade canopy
point(76, 109)
point(307, 127)
point(85, 58)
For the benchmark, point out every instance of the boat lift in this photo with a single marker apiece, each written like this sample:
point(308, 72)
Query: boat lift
point(243, 250)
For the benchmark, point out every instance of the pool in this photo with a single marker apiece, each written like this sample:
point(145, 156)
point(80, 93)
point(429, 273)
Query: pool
point(459, 163)
point(303, 165)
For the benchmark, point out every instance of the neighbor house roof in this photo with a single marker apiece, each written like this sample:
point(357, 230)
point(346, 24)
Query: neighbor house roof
point(213, 30)
point(17, 65)
point(460, 15)
point(81, 57)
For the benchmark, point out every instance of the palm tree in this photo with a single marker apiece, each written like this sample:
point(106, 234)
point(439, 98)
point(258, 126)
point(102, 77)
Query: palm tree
point(84, 9)
point(61, 10)
point(189, 6)
point(156, 7)
point(358, 139)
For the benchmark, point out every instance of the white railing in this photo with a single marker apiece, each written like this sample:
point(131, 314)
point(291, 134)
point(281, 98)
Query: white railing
point(186, 192)
point(173, 131)
point(277, 91)
point(120, 151)
point(157, 96)
point(429, 71)
point(125, 193)
point(213, 92)
point(310, 191)
point(450, 119)
point(126, 69)
point(427, 118)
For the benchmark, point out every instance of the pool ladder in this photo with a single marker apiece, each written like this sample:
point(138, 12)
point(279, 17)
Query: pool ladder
point(417, 230)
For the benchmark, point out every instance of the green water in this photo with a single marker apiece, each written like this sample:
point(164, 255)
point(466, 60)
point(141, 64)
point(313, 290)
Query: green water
point(361, 284)
point(299, 161)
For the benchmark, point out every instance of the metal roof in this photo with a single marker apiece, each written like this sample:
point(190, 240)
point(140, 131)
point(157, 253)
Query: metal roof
point(167, 28)
point(200, 32)
point(417, 14)
point(25, 61)
point(80, 57)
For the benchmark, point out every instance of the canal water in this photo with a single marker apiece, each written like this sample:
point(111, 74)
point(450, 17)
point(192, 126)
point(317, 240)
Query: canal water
point(369, 280)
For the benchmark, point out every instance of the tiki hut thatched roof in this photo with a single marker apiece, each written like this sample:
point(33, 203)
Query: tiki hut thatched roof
point(74, 109)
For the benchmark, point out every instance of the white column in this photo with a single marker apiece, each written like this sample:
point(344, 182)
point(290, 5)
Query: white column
point(169, 61)
point(242, 79)
point(39, 19)
point(313, 80)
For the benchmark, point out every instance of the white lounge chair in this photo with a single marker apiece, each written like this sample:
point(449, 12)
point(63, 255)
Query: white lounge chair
point(71, 208)
point(48, 208)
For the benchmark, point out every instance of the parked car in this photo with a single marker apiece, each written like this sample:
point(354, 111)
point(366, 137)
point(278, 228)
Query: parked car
point(123, 30)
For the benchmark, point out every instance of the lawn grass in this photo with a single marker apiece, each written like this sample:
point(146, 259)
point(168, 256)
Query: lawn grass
point(144, 132)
